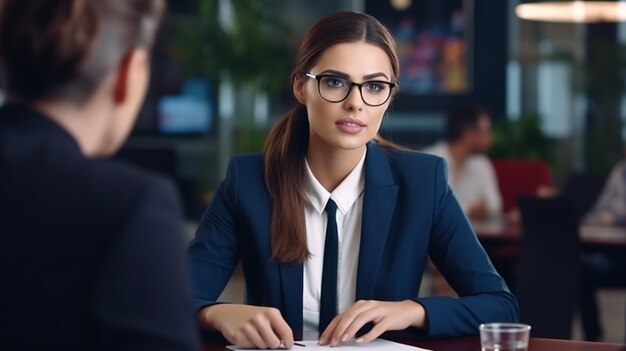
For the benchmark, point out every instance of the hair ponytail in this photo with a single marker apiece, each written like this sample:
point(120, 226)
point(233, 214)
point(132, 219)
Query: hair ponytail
point(285, 152)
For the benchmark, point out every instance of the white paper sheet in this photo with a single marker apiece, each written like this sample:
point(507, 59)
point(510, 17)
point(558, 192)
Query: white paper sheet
point(376, 345)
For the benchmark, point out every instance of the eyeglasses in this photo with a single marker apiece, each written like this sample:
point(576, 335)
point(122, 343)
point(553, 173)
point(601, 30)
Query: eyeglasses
point(334, 88)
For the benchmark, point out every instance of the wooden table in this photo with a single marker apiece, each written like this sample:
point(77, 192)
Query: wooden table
point(536, 344)
point(603, 236)
point(497, 229)
point(473, 344)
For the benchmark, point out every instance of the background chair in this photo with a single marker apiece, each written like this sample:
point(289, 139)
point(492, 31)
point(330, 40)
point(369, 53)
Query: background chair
point(548, 271)
point(519, 177)
point(516, 177)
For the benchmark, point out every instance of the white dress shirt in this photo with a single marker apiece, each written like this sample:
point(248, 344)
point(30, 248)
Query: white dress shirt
point(610, 208)
point(475, 183)
point(349, 199)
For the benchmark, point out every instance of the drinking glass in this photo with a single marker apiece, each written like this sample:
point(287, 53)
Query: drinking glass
point(504, 336)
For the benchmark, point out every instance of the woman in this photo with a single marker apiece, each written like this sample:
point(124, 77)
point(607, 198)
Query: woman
point(91, 250)
point(332, 223)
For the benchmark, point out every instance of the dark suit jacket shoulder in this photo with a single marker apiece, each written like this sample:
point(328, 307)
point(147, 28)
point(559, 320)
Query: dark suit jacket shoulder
point(90, 249)
point(409, 214)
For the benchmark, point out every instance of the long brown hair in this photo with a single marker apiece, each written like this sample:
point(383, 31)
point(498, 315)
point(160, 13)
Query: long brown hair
point(63, 49)
point(286, 145)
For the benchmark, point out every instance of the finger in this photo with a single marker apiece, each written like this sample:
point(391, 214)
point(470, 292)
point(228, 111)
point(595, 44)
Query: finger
point(374, 315)
point(281, 329)
point(264, 328)
point(239, 339)
point(373, 334)
point(326, 337)
point(357, 311)
point(252, 334)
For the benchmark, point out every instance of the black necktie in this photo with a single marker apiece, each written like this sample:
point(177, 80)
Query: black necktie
point(328, 301)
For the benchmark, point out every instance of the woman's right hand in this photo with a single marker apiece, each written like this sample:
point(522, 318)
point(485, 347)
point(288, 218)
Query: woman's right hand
point(249, 326)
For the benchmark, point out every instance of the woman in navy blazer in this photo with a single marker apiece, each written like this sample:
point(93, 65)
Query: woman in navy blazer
point(262, 214)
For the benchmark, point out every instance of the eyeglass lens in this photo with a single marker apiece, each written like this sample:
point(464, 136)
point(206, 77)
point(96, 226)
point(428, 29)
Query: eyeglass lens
point(336, 89)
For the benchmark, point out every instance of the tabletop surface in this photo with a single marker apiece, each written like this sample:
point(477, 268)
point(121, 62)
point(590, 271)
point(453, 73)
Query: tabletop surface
point(473, 344)
point(536, 344)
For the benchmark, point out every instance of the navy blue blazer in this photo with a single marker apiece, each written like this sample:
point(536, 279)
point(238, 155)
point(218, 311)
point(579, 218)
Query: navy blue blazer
point(91, 250)
point(409, 212)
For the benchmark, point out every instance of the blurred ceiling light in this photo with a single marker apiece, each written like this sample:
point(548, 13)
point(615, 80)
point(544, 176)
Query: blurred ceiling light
point(573, 11)
point(401, 5)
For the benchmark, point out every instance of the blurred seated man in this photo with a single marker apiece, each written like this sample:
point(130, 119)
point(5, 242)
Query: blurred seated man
point(470, 173)
point(603, 268)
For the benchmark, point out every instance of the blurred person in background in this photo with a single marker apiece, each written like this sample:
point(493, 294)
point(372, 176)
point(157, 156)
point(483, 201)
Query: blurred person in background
point(603, 268)
point(91, 250)
point(471, 175)
point(610, 208)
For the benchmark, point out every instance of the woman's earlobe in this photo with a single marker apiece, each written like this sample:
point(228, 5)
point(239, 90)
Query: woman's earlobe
point(298, 90)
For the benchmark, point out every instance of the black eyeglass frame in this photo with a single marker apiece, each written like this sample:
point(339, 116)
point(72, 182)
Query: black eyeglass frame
point(319, 78)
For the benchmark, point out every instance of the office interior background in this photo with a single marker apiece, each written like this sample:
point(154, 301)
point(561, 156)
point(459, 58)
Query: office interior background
point(556, 91)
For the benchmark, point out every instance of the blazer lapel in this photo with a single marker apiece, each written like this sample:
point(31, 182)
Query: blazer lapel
point(378, 207)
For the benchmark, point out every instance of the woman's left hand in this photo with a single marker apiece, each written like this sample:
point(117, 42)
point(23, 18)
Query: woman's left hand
point(386, 315)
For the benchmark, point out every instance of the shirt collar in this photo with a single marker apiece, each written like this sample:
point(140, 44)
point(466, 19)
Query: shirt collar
point(344, 195)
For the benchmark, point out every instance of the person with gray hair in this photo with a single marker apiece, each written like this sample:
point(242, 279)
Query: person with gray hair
point(91, 250)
